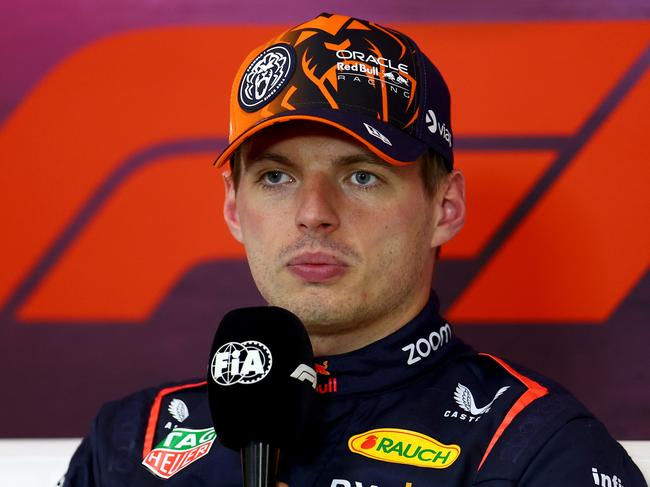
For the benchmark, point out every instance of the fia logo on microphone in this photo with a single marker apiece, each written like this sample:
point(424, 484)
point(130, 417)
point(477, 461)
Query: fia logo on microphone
point(241, 363)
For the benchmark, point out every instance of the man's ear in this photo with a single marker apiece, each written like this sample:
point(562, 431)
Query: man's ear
point(450, 209)
point(230, 214)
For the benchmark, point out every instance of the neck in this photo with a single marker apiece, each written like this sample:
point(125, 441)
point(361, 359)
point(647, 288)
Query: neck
point(353, 336)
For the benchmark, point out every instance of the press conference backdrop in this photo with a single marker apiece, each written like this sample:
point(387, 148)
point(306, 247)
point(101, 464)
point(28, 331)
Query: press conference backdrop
point(115, 264)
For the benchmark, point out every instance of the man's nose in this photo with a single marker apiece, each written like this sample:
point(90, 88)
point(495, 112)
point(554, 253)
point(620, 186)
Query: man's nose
point(317, 210)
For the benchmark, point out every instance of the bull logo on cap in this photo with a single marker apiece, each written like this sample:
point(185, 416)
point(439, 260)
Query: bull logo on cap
point(262, 73)
point(266, 76)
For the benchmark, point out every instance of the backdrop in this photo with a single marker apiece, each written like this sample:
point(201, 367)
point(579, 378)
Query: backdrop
point(115, 264)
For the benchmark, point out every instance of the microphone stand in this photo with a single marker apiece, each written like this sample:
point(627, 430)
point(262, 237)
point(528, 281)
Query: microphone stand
point(259, 464)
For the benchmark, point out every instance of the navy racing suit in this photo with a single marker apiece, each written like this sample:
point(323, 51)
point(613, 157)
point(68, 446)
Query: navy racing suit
point(415, 409)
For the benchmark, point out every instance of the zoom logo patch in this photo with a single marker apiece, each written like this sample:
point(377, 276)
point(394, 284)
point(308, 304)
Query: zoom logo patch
point(265, 77)
point(425, 346)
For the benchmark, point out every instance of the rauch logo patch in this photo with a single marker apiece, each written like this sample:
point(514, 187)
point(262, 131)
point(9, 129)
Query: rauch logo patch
point(404, 446)
point(179, 449)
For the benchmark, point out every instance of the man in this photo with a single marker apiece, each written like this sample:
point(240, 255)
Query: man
point(342, 190)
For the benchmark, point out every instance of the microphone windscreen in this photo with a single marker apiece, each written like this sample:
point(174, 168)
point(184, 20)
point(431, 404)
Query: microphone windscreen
point(260, 378)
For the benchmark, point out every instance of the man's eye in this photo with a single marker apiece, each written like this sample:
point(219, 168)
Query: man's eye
point(275, 177)
point(363, 178)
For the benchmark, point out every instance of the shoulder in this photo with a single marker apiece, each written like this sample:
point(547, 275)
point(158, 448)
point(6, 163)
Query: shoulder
point(148, 415)
point(545, 436)
point(126, 429)
point(142, 409)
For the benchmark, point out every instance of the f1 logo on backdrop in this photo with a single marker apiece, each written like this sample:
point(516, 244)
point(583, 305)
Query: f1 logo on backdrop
point(108, 197)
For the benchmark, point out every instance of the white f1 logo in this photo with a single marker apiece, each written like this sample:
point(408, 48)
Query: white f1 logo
point(305, 373)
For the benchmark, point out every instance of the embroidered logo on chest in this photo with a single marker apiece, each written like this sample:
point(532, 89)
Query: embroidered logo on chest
point(465, 401)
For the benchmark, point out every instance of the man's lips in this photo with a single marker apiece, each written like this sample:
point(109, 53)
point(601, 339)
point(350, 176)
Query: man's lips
point(316, 266)
point(316, 258)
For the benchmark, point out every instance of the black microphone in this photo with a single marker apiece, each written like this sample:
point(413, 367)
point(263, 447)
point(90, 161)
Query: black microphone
point(260, 387)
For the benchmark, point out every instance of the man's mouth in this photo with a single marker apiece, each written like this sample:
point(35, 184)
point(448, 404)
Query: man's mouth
point(317, 267)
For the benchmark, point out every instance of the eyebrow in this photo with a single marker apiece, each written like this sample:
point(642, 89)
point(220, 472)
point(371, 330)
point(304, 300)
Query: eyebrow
point(364, 156)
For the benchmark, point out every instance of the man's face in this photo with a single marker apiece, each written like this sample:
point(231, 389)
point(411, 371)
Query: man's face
point(332, 233)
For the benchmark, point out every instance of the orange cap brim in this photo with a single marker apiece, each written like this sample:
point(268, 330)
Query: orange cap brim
point(225, 156)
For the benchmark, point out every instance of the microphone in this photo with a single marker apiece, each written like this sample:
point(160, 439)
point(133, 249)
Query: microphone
point(260, 387)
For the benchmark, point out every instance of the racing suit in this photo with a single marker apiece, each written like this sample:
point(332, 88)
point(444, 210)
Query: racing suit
point(415, 409)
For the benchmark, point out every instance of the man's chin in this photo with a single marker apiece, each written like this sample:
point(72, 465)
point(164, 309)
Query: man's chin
point(321, 305)
point(323, 310)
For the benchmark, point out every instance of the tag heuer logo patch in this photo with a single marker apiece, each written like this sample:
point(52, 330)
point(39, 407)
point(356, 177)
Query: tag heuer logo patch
point(179, 449)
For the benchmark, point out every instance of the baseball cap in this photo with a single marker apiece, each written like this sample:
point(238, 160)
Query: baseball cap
point(369, 81)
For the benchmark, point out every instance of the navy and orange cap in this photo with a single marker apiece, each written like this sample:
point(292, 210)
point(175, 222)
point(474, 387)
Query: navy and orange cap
point(369, 81)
